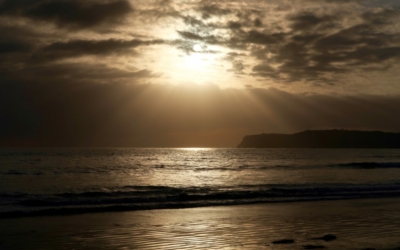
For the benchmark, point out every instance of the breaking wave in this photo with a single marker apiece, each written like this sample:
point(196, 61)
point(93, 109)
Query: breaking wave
point(161, 197)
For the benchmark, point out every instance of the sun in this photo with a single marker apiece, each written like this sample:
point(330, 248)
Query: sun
point(197, 47)
point(197, 63)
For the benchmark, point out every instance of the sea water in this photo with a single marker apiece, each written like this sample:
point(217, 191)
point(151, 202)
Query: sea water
point(70, 181)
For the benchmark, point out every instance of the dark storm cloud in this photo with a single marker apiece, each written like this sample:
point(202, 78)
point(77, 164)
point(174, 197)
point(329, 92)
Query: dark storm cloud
point(337, 1)
point(308, 20)
point(243, 18)
point(357, 45)
point(190, 38)
point(292, 51)
point(192, 21)
point(234, 25)
point(208, 10)
point(381, 17)
point(254, 36)
point(353, 37)
point(257, 22)
point(77, 73)
point(243, 40)
point(318, 45)
point(237, 67)
point(241, 27)
point(237, 61)
point(265, 70)
point(75, 48)
point(17, 39)
point(72, 13)
point(13, 46)
point(194, 36)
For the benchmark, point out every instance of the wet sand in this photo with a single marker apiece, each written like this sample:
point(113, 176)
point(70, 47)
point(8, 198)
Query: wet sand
point(358, 224)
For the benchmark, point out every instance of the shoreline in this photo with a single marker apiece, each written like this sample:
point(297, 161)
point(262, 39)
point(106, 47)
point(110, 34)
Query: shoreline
point(70, 211)
point(358, 224)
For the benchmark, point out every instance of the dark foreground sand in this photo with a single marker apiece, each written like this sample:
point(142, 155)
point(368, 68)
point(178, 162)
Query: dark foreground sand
point(358, 224)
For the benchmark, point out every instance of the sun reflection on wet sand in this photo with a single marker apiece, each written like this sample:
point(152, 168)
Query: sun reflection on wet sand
point(234, 227)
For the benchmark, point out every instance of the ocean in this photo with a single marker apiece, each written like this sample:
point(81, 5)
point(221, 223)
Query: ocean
point(64, 181)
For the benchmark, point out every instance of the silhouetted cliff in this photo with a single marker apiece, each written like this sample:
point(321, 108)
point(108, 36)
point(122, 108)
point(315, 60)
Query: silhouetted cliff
point(323, 139)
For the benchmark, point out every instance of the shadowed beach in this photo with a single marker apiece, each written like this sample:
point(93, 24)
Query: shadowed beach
point(357, 224)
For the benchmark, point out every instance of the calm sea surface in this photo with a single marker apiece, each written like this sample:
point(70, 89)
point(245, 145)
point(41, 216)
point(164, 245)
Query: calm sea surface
point(68, 181)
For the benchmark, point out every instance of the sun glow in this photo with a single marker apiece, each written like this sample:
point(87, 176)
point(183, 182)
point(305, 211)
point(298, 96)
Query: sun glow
point(197, 61)
point(195, 67)
point(199, 67)
point(197, 47)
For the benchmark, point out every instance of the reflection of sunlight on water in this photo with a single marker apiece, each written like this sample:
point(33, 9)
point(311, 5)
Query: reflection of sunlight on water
point(196, 149)
point(183, 167)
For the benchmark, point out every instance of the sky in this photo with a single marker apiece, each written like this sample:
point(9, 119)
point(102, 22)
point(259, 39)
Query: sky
point(194, 73)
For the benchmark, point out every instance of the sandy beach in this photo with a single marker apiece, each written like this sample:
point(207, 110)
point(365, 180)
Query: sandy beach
point(358, 224)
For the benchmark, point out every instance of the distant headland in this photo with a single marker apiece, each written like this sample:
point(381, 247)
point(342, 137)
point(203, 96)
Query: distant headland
point(323, 139)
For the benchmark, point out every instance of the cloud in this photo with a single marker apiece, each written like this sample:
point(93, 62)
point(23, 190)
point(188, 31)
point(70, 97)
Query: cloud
point(194, 36)
point(209, 10)
point(319, 47)
point(337, 1)
point(265, 70)
point(76, 48)
point(308, 20)
point(63, 73)
point(381, 16)
point(304, 43)
point(257, 37)
point(16, 39)
point(257, 22)
point(238, 67)
point(13, 46)
point(73, 14)
point(317, 42)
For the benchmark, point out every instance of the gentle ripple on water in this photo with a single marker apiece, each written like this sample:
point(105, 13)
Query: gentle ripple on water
point(50, 178)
